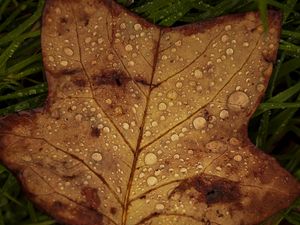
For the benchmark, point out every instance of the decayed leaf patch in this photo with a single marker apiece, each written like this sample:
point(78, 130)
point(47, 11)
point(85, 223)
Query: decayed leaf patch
point(148, 125)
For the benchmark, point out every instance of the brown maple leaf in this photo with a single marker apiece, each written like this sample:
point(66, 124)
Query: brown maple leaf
point(148, 125)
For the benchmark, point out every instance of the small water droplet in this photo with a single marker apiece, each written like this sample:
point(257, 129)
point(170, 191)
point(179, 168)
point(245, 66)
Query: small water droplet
point(199, 123)
point(178, 43)
point(106, 129)
point(224, 38)
point(246, 44)
point(159, 206)
point(224, 114)
point(229, 51)
point(128, 48)
point(78, 117)
point(68, 51)
point(178, 84)
point(162, 106)
point(137, 27)
point(238, 158)
point(172, 94)
point(198, 73)
point(123, 26)
point(175, 137)
point(126, 126)
point(64, 63)
point(151, 181)
point(228, 27)
point(97, 156)
point(51, 58)
point(150, 159)
point(260, 87)
point(87, 40)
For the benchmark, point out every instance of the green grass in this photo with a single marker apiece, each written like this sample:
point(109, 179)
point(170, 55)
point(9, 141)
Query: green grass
point(275, 126)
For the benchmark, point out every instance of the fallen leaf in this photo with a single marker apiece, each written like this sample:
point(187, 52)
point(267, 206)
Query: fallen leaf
point(148, 125)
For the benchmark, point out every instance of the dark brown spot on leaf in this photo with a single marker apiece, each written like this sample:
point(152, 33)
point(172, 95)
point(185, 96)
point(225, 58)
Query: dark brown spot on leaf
point(79, 82)
point(91, 196)
point(95, 132)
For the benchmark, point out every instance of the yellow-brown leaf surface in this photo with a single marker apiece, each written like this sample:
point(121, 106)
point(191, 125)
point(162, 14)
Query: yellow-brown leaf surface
point(148, 125)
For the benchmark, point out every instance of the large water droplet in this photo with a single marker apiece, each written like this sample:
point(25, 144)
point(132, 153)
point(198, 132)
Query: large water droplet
point(199, 123)
point(238, 100)
point(150, 159)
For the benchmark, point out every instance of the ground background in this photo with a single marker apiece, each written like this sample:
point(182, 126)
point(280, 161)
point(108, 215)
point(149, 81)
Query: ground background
point(275, 127)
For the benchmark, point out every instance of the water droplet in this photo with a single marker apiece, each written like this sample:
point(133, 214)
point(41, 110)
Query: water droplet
point(238, 158)
point(110, 57)
point(198, 73)
point(199, 123)
point(174, 137)
point(123, 26)
point(78, 117)
point(130, 63)
point(27, 158)
point(150, 159)
point(68, 51)
point(260, 87)
point(151, 181)
point(126, 126)
point(106, 129)
point(224, 38)
point(246, 44)
point(51, 58)
point(88, 40)
point(238, 100)
point(216, 146)
point(137, 27)
point(183, 170)
point(100, 40)
point(178, 84)
point(178, 43)
point(128, 48)
point(229, 51)
point(228, 27)
point(148, 133)
point(162, 106)
point(97, 156)
point(172, 94)
point(224, 114)
point(64, 63)
point(159, 206)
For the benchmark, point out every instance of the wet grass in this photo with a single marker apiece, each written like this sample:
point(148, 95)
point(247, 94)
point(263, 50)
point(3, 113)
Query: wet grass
point(275, 127)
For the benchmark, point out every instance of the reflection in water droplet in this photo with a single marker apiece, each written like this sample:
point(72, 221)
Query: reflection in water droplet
point(199, 123)
point(238, 100)
point(150, 159)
